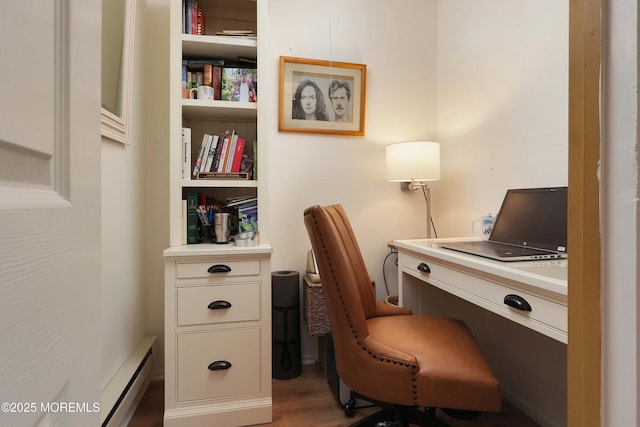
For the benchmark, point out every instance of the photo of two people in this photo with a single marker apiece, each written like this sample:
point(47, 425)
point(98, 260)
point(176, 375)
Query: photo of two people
point(309, 100)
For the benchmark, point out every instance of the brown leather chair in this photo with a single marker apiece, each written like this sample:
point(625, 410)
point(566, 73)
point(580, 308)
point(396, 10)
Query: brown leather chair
point(384, 352)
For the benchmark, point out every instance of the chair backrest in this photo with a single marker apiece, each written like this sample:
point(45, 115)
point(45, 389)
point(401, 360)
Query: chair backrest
point(345, 281)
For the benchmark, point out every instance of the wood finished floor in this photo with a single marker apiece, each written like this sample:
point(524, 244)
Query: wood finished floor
point(306, 401)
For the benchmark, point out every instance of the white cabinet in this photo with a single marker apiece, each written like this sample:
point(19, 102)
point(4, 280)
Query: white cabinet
point(217, 320)
point(217, 336)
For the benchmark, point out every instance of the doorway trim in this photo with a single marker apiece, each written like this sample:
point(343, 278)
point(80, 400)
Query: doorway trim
point(584, 348)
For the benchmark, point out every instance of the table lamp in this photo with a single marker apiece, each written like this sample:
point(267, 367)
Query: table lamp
point(414, 164)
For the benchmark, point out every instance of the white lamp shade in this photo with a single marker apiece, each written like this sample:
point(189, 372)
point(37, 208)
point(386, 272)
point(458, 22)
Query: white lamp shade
point(413, 161)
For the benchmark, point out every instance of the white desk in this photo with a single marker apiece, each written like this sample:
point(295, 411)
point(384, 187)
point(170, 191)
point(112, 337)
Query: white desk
point(486, 283)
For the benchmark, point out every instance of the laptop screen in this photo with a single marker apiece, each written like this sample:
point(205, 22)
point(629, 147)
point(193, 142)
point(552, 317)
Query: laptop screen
point(533, 217)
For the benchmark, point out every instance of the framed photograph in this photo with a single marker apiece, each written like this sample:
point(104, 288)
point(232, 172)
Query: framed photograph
point(321, 96)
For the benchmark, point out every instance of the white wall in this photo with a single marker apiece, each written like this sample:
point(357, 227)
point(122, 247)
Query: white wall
point(619, 213)
point(502, 104)
point(396, 40)
point(156, 211)
point(502, 122)
point(124, 202)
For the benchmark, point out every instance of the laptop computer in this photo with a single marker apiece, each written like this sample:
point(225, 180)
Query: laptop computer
point(531, 225)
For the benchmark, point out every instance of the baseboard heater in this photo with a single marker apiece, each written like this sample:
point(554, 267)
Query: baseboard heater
point(123, 393)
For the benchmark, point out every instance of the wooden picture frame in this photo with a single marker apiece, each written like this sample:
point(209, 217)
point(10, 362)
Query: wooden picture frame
point(319, 96)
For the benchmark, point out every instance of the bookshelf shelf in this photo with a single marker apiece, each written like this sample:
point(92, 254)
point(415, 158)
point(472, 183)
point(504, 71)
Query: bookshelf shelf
point(197, 109)
point(224, 47)
point(219, 183)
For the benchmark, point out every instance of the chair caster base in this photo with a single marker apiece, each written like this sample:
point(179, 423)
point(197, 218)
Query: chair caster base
point(350, 408)
point(461, 414)
point(401, 417)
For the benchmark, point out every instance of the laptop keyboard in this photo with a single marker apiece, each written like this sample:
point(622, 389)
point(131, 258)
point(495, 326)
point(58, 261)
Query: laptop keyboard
point(517, 250)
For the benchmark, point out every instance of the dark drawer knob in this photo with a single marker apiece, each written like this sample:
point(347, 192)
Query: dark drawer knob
point(219, 268)
point(517, 302)
point(219, 365)
point(424, 268)
point(219, 305)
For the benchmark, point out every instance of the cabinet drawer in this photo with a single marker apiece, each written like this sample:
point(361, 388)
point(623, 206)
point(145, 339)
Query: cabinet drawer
point(217, 268)
point(240, 348)
point(491, 294)
point(218, 304)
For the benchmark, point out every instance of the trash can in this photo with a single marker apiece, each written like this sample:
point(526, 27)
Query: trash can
point(285, 324)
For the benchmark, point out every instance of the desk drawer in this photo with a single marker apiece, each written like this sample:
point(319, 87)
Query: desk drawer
point(218, 304)
point(240, 348)
point(217, 269)
point(488, 293)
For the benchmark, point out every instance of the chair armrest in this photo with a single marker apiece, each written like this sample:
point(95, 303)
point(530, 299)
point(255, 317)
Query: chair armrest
point(384, 351)
point(384, 309)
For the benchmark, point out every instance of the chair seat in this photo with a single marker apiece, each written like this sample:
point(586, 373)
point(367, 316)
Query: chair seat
point(452, 372)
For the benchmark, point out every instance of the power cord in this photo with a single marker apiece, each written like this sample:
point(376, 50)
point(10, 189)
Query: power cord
point(393, 250)
point(430, 222)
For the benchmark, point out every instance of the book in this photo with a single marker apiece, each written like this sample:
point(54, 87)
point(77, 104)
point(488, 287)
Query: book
point(185, 71)
point(223, 153)
point(249, 62)
point(211, 154)
point(196, 169)
point(237, 156)
point(184, 222)
point(186, 153)
point(216, 81)
point(241, 201)
point(213, 78)
point(200, 22)
point(184, 16)
point(218, 154)
point(230, 152)
point(188, 11)
point(235, 33)
point(208, 78)
point(194, 16)
point(197, 63)
point(192, 217)
point(205, 155)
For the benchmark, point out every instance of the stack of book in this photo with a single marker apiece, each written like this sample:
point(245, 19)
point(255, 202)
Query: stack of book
point(202, 71)
point(236, 33)
point(192, 17)
point(219, 157)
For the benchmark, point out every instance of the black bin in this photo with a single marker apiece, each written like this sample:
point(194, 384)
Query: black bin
point(285, 325)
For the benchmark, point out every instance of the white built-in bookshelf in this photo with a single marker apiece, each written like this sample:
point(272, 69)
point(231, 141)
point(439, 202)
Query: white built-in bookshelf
point(217, 360)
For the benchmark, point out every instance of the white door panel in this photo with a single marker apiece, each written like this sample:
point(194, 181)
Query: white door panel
point(27, 74)
point(42, 359)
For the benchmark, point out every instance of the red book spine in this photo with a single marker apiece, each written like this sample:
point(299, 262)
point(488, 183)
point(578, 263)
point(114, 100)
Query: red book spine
point(237, 157)
point(200, 29)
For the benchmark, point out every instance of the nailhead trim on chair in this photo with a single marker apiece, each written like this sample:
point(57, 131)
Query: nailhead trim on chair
point(413, 367)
